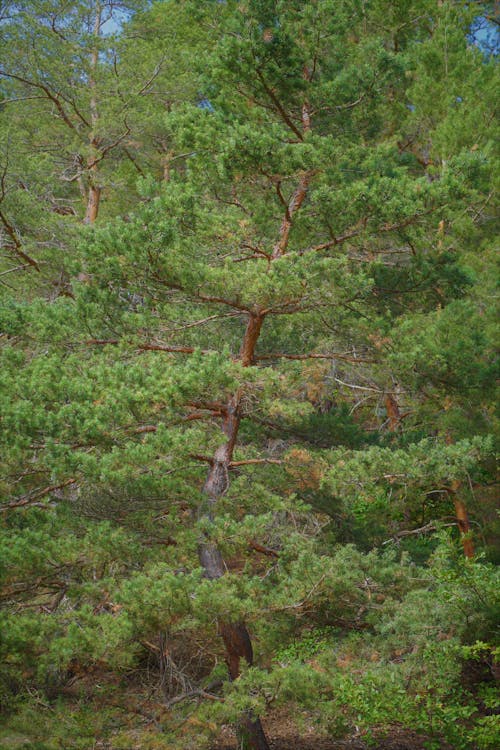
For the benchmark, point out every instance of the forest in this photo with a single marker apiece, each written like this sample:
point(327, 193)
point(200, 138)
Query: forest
point(248, 334)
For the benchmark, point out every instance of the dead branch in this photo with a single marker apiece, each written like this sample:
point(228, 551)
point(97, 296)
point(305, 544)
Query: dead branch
point(29, 499)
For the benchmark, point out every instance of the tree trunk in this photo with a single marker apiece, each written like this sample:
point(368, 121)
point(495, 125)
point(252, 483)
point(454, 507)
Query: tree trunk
point(461, 512)
point(94, 196)
point(393, 413)
point(94, 191)
point(251, 735)
point(462, 519)
point(235, 635)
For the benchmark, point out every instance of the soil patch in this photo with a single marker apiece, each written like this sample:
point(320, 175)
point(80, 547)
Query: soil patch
point(283, 737)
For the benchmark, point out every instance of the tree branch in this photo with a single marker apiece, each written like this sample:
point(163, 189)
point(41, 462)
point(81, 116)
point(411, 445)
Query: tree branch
point(11, 231)
point(28, 499)
point(333, 355)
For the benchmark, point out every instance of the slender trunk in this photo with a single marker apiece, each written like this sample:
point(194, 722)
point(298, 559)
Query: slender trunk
point(462, 519)
point(300, 191)
point(94, 196)
point(166, 166)
point(94, 189)
point(393, 413)
point(461, 513)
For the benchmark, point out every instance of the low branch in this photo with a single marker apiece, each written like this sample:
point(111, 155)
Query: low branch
point(253, 461)
point(356, 232)
point(359, 387)
point(263, 550)
point(49, 94)
point(32, 497)
point(299, 605)
point(152, 347)
point(313, 355)
point(431, 526)
point(17, 249)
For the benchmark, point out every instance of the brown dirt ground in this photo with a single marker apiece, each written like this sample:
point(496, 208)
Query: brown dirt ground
point(283, 736)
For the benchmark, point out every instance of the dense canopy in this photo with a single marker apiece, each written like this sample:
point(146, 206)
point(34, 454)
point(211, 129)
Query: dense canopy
point(247, 388)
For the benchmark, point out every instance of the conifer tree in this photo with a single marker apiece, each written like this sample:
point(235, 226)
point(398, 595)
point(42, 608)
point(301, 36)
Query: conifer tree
point(199, 390)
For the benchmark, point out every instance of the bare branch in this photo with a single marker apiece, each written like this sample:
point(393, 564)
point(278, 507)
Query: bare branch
point(263, 550)
point(254, 461)
point(431, 526)
point(313, 355)
point(284, 115)
point(33, 496)
point(14, 236)
point(49, 94)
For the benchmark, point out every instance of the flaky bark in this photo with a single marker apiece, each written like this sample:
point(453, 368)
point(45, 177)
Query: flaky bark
point(234, 634)
point(93, 200)
point(393, 413)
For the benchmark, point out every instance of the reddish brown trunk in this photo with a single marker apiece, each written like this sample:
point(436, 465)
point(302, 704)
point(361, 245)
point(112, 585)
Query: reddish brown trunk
point(293, 206)
point(393, 413)
point(300, 191)
point(94, 197)
point(251, 734)
point(252, 333)
point(238, 646)
point(461, 513)
point(94, 192)
point(462, 519)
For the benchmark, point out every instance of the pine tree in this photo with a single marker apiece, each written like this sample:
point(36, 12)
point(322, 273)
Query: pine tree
point(197, 389)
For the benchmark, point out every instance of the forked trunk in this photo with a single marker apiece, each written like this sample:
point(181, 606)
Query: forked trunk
point(234, 634)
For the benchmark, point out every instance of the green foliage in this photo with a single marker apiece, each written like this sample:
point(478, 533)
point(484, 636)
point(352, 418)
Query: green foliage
point(292, 267)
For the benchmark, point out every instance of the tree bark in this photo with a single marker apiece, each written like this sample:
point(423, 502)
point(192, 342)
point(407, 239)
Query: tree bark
point(235, 635)
point(462, 519)
point(393, 413)
point(93, 200)
point(94, 190)
point(461, 513)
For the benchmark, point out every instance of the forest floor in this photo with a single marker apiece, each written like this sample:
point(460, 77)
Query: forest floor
point(283, 736)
